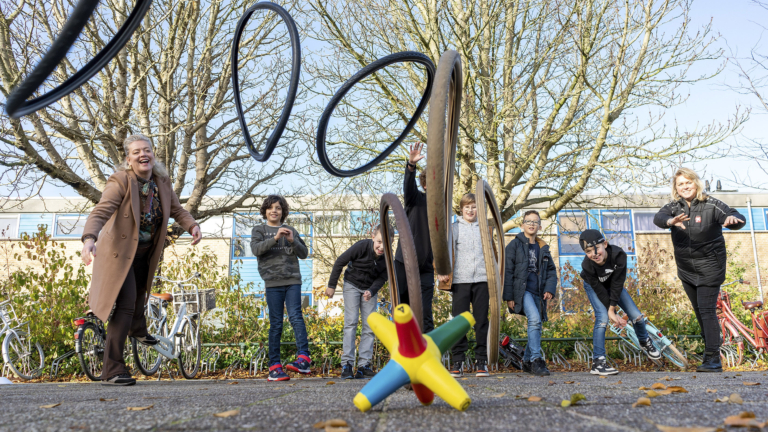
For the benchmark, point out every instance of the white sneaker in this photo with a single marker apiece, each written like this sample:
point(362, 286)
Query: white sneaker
point(601, 367)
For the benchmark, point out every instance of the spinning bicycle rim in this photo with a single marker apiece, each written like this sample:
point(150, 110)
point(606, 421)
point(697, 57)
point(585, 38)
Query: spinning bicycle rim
point(322, 126)
point(25, 360)
point(293, 87)
point(91, 353)
point(189, 349)
point(146, 358)
point(443, 131)
point(493, 255)
point(17, 104)
point(390, 201)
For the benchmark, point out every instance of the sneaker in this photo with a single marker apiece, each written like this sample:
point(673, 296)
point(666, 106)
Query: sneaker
point(650, 349)
point(367, 371)
point(346, 372)
point(457, 371)
point(711, 363)
point(539, 367)
point(527, 367)
point(148, 340)
point(300, 365)
point(482, 369)
point(123, 379)
point(600, 367)
point(276, 373)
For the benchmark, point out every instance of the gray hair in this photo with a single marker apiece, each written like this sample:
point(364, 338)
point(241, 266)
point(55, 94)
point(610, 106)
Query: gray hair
point(158, 170)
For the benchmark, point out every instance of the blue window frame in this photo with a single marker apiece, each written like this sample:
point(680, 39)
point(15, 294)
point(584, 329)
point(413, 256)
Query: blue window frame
point(618, 229)
point(69, 225)
point(570, 224)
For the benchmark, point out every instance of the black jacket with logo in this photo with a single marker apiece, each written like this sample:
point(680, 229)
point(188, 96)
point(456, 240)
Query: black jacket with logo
point(365, 270)
point(416, 210)
point(516, 273)
point(700, 247)
point(607, 280)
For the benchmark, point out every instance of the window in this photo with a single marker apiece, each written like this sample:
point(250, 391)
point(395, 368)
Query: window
point(302, 223)
point(617, 227)
point(644, 222)
point(244, 223)
point(570, 226)
point(70, 225)
point(569, 244)
point(331, 224)
point(9, 226)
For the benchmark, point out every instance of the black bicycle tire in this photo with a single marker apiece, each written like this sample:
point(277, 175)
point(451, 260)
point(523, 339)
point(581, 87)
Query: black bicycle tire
point(293, 87)
point(494, 263)
point(441, 157)
point(83, 365)
point(322, 125)
point(17, 105)
point(180, 363)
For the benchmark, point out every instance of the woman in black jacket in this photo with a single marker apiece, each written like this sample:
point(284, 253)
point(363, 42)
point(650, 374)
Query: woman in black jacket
point(696, 221)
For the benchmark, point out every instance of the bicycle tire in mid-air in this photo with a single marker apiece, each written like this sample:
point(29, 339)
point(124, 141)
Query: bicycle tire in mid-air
point(443, 132)
point(89, 346)
point(17, 105)
point(146, 358)
point(293, 87)
point(26, 360)
point(322, 125)
point(389, 202)
point(493, 255)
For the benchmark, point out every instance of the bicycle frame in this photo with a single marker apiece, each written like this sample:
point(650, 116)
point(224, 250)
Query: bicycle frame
point(166, 346)
point(729, 324)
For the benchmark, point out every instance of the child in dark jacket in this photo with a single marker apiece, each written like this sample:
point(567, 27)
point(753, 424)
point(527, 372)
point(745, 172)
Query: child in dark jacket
point(365, 275)
point(278, 248)
point(530, 279)
point(604, 272)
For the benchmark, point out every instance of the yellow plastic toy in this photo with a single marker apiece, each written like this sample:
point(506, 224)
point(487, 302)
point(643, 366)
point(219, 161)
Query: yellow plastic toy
point(415, 359)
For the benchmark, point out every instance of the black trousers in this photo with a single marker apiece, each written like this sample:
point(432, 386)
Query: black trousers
point(128, 316)
point(427, 275)
point(704, 301)
point(477, 295)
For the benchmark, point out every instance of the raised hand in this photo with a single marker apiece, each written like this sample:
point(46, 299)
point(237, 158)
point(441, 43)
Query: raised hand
point(196, 234)
point(415, 154)
point(89, 249)
point(678, 221)
point(732, 220)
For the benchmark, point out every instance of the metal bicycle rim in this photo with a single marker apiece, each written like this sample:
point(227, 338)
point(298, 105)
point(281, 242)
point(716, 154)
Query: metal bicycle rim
point(322, 126)
point(277, 133)
point(17, 104)
point(493, 255)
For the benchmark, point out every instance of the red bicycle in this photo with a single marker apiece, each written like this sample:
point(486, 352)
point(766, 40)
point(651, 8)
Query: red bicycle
point(734, 332)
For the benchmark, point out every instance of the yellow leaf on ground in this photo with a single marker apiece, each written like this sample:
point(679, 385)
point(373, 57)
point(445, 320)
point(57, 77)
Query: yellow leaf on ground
point(233, 383)
point(565, 403)
point(735, 398)
point(711, 391)
point(685, 429)
point(140, 408)
point(229, 413)
point(652, 393)
point(677, 389)
point(617, 382)
point(498, 395)
point(664, 392)
point(534, 399)
point(603, 377)
point(576, 397)
point(107, 400)
point(337, 429)
point(743, 419)
point(658, 386)
point(50, 406)
point(333, 424)
point(750, 383)
point(330, 383)
point(722, 399)
point(644, 388)
point(569, 382)
point(641, 402)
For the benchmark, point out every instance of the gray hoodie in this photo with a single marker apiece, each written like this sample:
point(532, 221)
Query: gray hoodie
point(469, 266)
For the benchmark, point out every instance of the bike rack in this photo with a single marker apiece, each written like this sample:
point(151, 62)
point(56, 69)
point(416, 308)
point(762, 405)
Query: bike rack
point(57, 363)
point(231, 368)
point(7, 370)
point(583, 352)
point(693, 356)
point(257, 360)
point(327, 367)
point(757, 353)
point(164, 364)
point(558, 359)
point(446, 359)
point(730, 354)
point(630, 353)
point(210, 359)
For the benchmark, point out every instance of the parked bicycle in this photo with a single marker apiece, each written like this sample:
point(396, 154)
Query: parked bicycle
point(662, 343)
point(734, 332)
point(25, 359)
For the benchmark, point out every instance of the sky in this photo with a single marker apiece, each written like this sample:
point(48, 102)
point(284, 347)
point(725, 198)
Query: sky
point(737, 23)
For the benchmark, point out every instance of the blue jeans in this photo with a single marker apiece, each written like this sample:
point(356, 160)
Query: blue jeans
point(290, 297)
point(531, 304)
point(601, 319)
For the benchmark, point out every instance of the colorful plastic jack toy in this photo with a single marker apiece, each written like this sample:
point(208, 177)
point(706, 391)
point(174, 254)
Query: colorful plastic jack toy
point(415, 360)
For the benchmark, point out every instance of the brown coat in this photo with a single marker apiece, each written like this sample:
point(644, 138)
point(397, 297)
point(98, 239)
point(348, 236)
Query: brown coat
point(118, 214)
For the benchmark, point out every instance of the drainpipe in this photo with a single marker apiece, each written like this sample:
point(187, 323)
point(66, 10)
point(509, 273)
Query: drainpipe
point(754, 248)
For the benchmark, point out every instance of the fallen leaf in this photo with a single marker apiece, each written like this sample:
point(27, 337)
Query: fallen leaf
point(617, 383)
point(641, 402)
point(711, 391)
point(330, 383)
point(140, 408)
point(569, 382)
point(743, 419)
point(233, 383)
point(50, 406)
point(658, 386)
point(534, 399)
point(332, 423)
point(738, 374)
point(644, 388)
point(107, 400)
point(735, 398)
point(750, 383)
point(685, 429)
point(464, 379)
point(652, 393)
point(337, 429)
point(576, 397)
point(603, 377)
point(722, 399)
point(677, 389)
point(498, 395)
point(551, 383)
point(229, 413)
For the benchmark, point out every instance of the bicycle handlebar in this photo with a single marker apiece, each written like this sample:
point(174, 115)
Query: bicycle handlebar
point(164, 279)
point(741, 281)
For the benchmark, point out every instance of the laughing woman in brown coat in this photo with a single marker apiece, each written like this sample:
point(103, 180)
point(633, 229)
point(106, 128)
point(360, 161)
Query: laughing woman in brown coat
point(128, 227)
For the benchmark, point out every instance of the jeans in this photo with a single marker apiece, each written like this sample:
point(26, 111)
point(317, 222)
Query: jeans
point(601, 319)
point(704, 301)
point(477, 295)
point(290, 297)
point(354, 306)
point(531, 304)
point(427, 291)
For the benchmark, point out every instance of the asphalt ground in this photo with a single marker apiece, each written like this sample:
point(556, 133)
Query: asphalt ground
point(499, 403)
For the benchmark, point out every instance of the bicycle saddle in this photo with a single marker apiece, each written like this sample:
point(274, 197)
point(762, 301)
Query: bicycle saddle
point(163, 296)
point(752, 305)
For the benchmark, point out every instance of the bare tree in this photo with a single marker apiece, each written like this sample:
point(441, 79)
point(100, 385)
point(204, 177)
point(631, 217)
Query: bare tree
point(171, 82)
point(553, 89)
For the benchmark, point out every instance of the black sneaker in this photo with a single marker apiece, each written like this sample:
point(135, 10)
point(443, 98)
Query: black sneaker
point(367, 371)
point(457, 371)
point(148, 340)
point(711, 363)
point(347, 372)
point(482, 369)
point(539, 367)
point(527, 367)
point(123, 379)
point(600, 367)
point(650, 349)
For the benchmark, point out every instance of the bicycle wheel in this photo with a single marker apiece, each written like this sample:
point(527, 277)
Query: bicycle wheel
point(90, 350)
point(675, 356)
point(25, 361)
point(493, 253)
point(146, 358)
point(189, 349)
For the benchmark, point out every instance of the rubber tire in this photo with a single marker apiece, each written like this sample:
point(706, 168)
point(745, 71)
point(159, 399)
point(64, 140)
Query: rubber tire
point(136, 346)
point(441, 158)
point(322, 125)
point(293, 87)
point(676, 354)
point(188, 374)
point(494, 262)
point(80, 354)
point(17, 104)
point(12, 338)
point(390, 201)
